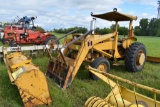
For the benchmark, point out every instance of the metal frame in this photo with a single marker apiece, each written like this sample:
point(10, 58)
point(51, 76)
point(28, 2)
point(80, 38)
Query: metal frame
point(121, 96)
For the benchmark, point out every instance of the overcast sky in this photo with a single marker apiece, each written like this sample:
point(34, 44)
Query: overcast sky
point(69, 13)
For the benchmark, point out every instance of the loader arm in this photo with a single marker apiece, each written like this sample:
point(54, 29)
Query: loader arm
point(64, 68)
point(57, 40)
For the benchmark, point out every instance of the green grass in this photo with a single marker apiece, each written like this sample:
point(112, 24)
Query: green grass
point(82, 86)
point(1, 43)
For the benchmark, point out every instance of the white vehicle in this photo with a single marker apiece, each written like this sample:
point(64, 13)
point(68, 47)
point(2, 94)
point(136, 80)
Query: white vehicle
point(1, 35)
point(1, 31)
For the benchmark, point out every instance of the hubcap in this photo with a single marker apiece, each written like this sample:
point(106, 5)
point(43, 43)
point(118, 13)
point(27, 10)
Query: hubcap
point(50, 44)
point(140, 58)
point(6, 42)
point(102, 67)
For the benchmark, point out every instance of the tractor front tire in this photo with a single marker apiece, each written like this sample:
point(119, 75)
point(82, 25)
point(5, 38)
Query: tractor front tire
point(13, 43)
point(135, 57)
point(5, 41)
point(102, 64)
point(2, 40)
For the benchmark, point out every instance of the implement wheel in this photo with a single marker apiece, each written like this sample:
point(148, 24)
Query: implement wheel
point(102, 64)
point(135, 57)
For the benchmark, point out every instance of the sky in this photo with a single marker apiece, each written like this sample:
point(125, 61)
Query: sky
point(70, 13)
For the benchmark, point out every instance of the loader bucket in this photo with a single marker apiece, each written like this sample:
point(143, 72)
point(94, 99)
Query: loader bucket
point(60, 72)
point(28, 78)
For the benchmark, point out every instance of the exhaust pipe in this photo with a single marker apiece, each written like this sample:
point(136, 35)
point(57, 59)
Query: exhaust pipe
point(92, 25)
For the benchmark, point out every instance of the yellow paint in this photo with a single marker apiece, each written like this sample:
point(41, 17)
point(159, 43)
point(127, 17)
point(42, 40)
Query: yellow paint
point(29, 79)
point(121, 96)
point(89, 48)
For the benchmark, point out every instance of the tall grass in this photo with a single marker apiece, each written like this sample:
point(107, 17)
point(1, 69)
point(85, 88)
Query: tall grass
point(82, 86)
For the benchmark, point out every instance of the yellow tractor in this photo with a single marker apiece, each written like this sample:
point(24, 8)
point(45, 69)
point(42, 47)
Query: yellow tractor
point(98, 50)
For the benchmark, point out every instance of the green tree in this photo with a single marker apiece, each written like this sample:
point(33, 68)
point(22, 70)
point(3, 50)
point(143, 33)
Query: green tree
point(105, 31)
point(38, 28)
point(157, 27)
point(123, 30)
point(113, 27)
point(97, 30)
point(66, 30)
point(144, 26)
point(137, 31)
point(152, 27)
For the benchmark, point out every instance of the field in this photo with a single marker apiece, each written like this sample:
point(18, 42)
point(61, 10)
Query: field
point(82, 86)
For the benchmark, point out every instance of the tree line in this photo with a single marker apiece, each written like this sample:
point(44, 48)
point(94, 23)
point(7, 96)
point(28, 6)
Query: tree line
point(122, 30)
point(148, 27)
point(66, 30)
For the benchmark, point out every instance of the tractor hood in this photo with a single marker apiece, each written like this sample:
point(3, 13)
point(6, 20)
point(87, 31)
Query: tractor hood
point(115, 16)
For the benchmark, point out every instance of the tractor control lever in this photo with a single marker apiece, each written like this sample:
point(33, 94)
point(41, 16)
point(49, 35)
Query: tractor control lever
point(84, 35)
point(58, 40)
point(65, 35)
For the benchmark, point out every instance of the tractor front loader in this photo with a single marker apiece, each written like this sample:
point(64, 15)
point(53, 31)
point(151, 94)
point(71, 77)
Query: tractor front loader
point(98, 50)
point(29, 79)
point(121, 96)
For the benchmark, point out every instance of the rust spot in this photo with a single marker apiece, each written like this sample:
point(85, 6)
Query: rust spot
point(49, 101)
point(29, 101)
point(22, 94)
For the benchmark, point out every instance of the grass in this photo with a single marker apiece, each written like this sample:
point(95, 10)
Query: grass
point(58, 35)
point(82, 86)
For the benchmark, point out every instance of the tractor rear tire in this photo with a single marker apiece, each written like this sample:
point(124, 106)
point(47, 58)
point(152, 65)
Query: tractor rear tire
point(100, 63)
point(135, 57)
point(50, 39)
point(13, 43)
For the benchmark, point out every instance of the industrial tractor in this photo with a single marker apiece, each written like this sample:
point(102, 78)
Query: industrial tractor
point(98, 50)
point(23, 32)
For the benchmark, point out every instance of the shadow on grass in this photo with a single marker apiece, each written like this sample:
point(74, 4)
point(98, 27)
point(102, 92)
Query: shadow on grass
point(83, 73)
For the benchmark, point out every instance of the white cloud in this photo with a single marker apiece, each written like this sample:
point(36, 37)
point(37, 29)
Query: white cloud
point(67, 13)
point(146, 2)
point(31, 12)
